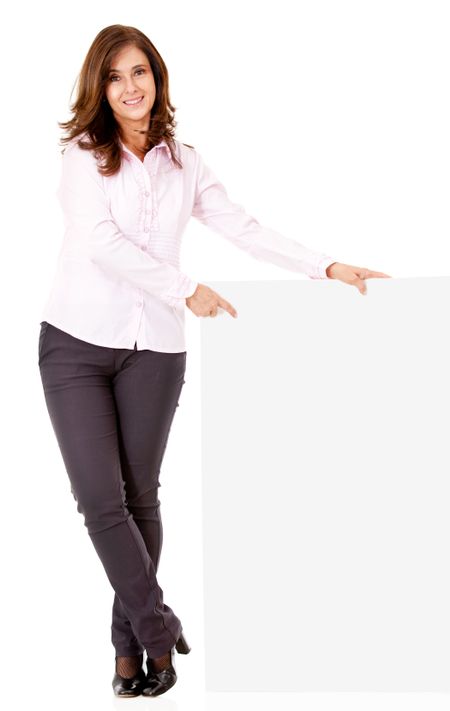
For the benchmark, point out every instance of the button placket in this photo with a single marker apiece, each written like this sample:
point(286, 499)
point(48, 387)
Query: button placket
point(139, 302)
point(154, 223)
point(147, 197)
point(153, 171)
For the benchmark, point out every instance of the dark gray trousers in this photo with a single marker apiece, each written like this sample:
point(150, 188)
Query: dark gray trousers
point(111, 410)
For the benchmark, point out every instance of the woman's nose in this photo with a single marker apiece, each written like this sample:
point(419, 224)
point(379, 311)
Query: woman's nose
point(130, 89)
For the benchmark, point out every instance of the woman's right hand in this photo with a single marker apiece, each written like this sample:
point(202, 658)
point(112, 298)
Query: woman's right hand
point(205, 302)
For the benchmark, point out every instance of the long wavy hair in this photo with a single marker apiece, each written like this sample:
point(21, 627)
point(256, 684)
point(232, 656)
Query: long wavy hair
point(92, 112)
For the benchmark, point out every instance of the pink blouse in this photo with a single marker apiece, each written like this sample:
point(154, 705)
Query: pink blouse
point(118, 279)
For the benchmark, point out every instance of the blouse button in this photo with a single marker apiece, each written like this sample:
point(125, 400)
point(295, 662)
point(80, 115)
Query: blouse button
point(146, 193)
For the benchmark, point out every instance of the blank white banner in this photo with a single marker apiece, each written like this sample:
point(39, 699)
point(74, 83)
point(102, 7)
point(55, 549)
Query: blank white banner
point(325, 456)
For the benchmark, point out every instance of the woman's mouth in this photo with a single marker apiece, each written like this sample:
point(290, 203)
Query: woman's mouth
point(133, 102)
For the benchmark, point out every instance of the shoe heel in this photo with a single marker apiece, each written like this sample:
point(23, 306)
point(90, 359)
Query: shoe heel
point(181, 645)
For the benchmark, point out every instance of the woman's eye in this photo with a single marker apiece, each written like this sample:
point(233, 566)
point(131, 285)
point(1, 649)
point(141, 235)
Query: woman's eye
point(114, 76)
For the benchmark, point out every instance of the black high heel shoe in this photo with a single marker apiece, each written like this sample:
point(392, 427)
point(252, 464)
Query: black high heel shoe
point(132, 686)
point(157, 682)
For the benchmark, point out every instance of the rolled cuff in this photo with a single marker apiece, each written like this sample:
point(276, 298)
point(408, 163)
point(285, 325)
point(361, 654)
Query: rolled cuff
point(321, 268)
point(181, 290)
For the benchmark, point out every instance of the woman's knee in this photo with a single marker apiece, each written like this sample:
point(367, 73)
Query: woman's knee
point(101, 512)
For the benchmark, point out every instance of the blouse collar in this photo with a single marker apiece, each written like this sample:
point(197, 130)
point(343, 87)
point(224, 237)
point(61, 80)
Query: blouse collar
point(162, 144)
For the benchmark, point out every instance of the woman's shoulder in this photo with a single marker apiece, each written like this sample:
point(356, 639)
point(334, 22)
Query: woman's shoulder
point(185, 148)
point(187, 145)
point(78, 161)
point(186, 152)
point(73, 147)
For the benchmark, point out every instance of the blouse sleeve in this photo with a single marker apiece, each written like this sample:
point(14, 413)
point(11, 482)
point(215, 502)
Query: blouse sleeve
point(213, 208)
point(88, 218)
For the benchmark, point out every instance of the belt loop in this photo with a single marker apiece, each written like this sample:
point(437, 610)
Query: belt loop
point(135, 345)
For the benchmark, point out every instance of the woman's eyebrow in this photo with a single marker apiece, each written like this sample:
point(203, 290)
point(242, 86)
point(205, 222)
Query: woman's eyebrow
point(135, 67)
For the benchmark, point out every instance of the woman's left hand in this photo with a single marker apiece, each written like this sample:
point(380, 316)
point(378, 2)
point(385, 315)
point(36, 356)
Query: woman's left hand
point(353, 275)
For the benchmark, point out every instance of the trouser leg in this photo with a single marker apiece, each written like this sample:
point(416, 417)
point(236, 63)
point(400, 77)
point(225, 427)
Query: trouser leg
point(77, 380)
point(147, 394)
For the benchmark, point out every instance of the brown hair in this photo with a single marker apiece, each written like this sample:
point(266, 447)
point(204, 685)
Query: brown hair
point(92, 112)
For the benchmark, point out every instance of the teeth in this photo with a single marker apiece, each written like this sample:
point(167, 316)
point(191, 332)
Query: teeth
point(131, 103)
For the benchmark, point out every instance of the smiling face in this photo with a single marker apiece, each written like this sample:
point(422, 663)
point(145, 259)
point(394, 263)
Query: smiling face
point(131, 78)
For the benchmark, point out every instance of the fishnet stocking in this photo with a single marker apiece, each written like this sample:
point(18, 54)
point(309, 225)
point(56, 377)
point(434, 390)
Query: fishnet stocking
point(160, 663)
point(128, 666)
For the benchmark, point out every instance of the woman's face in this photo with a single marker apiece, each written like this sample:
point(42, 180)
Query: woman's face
point(131, 78)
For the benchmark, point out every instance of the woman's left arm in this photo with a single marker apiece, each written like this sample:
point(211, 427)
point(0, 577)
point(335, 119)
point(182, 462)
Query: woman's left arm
point(213, 208)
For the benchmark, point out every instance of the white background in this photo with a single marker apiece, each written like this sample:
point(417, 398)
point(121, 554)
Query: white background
point(329, 122)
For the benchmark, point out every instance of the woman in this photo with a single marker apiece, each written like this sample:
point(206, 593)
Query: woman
point(112, 354)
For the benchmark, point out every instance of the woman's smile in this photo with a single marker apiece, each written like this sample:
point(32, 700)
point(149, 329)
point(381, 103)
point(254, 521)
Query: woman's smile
point(133, 102)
